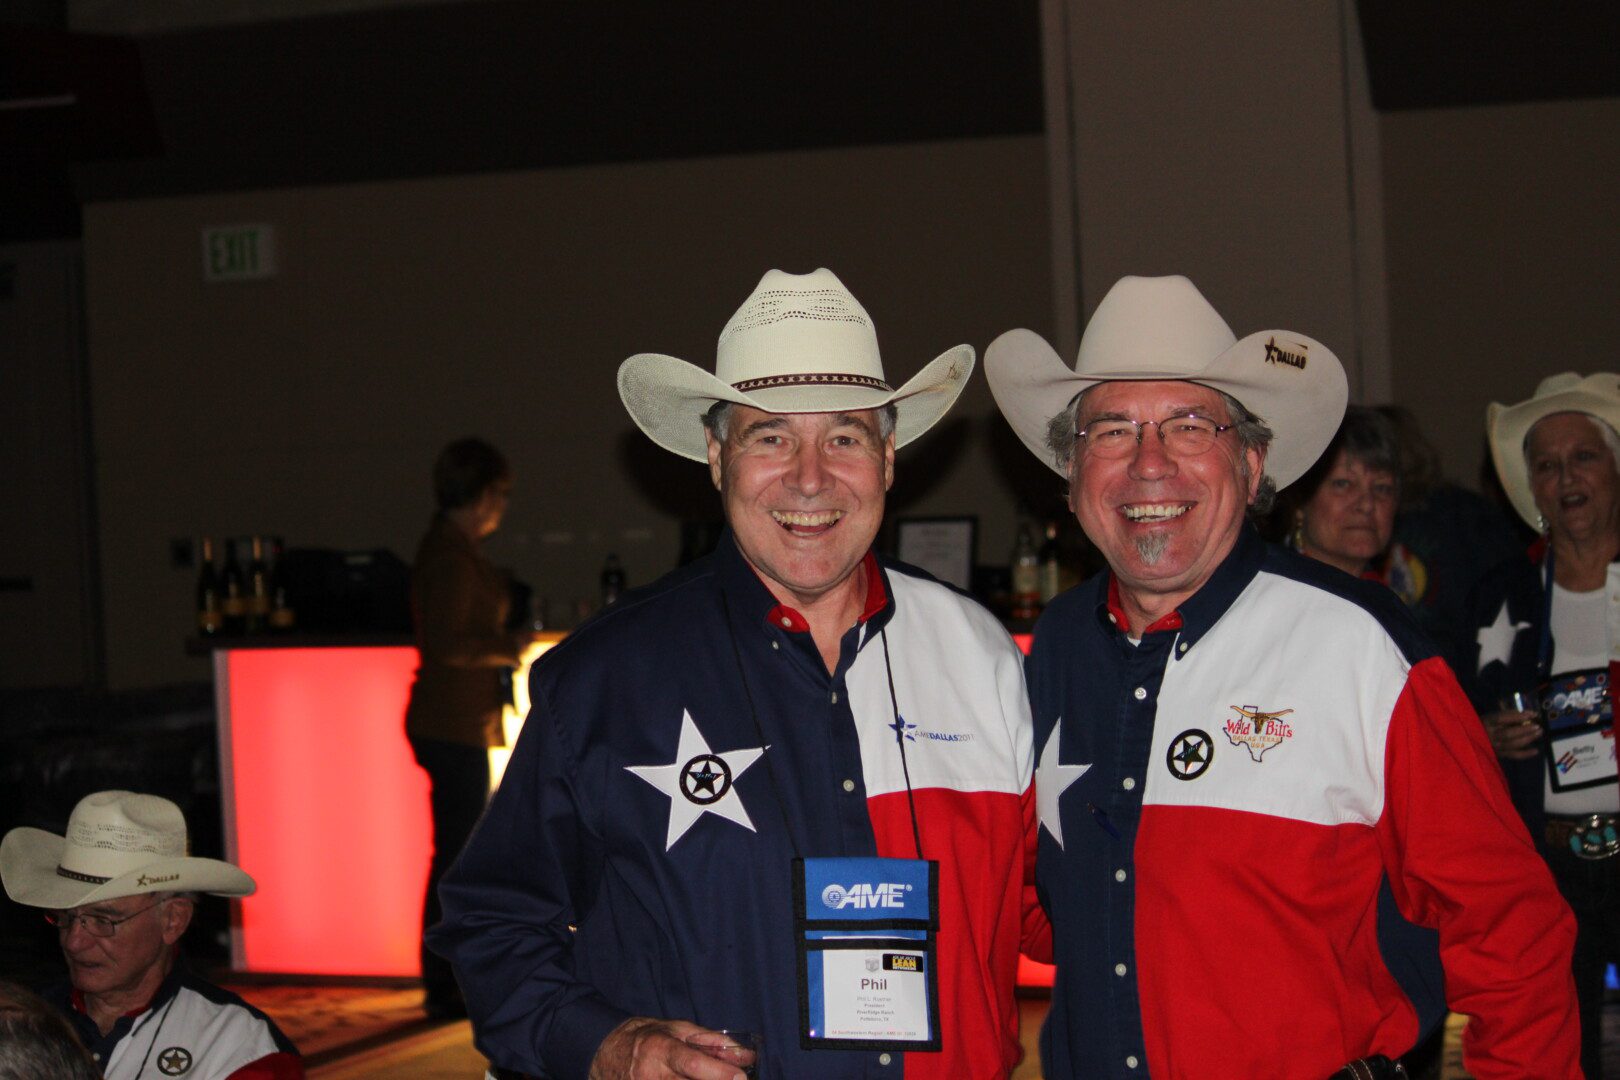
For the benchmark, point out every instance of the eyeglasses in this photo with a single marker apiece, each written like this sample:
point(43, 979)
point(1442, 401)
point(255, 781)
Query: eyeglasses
point(97, 925)
point(1183, 435)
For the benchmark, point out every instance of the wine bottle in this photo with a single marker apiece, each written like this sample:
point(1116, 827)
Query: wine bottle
point(1051, 565)
point(282, 616)
point(257, 589)
point(232, 602)
point(210, 613)
point(612, 580)
point(1026, 577)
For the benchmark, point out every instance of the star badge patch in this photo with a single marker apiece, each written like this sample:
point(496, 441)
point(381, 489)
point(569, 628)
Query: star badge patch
point(1190, 754)
point(175, 1061)
point(699, 781)
point(1052, 779)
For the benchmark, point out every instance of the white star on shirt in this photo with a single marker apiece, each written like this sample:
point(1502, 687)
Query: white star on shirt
point(1052, 779)
point(705, 798)
point(1496, 640)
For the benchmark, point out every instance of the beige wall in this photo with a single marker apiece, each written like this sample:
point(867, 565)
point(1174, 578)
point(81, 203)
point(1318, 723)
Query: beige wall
point(1503, 234)
point(409, 313)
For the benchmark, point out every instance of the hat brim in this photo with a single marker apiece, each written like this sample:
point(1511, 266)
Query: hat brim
point(667, 398)
point(29, 858)
point(1509, 425)
point(1032, 384)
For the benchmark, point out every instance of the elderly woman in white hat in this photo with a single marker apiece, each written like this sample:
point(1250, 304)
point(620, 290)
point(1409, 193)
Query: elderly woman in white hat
point(119, 887)
point(1547, 639)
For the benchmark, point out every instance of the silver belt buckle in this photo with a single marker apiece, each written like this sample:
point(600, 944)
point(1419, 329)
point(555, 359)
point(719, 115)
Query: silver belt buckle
point(1595, 837)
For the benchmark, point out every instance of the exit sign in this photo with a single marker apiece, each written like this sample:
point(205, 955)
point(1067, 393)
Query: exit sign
point(239, 253)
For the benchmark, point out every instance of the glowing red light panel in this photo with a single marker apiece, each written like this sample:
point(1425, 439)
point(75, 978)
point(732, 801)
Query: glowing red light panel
point(330, 809)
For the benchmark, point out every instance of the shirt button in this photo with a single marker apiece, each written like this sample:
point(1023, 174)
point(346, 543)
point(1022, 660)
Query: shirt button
point(849, 785)
point(1181, 648)
point(1119, 969)
point(1131, 1062)
point(787, 622)
point(775, 645)
point(884, 1059)
point(835, 697)
point(1140, 693)
point(1119, 875)
point(1128, 784)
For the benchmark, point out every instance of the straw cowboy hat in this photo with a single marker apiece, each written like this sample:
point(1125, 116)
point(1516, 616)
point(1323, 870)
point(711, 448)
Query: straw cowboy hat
point(1509, 425)
point(118, 844)
point(1163, 328)
point(799, 344)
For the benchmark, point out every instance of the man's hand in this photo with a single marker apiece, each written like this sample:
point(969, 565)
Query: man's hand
point(1515, 735)
point(644, 1049)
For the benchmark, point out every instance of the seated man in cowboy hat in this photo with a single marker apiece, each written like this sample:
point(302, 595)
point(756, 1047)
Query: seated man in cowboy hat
point(118, 887)
point(727, 770)
point(1260, 789)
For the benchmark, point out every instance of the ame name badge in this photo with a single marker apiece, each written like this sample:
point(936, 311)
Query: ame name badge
point(864, 930)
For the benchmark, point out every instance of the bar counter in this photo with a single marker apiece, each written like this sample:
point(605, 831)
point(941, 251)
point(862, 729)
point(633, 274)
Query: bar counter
point(324, 805)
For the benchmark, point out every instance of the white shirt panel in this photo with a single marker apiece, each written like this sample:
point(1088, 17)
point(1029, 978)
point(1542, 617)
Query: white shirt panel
point(1322, 680)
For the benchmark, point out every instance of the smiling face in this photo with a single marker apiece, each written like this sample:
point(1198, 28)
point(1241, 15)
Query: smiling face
point(1163, 523)
point(1350, 517)
point(130, 964)
point(803, 494)
point(1573, 478)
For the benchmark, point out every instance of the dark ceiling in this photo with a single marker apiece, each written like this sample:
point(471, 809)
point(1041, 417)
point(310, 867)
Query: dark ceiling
point(510, 84)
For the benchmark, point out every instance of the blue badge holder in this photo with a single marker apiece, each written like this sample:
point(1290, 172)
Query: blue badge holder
point(886, 908)
point(1575, 706)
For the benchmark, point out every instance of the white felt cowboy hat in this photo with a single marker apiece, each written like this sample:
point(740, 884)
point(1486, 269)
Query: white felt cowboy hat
point(118, 844)
point(799, 344)
point(1162, 328)
point(1509, 425)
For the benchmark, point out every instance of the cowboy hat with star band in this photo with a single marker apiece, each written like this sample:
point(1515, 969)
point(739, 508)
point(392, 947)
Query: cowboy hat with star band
point(1162, 328)
point(118, 843)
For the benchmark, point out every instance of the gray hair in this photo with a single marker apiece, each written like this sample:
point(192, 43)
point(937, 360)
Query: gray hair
point(36, 1039)
point(1610, 438)
point(1062, 433)
point(717, 421)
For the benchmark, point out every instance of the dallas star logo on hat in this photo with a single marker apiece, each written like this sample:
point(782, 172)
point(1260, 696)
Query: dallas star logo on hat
point(699, 781)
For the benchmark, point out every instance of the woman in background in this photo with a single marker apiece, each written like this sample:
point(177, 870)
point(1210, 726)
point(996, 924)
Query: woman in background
point(1545, 648)
point(1342, 512)
point(460, 603)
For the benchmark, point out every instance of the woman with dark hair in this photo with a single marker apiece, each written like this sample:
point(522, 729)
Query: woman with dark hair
point(460, 603)
point(1342, 512)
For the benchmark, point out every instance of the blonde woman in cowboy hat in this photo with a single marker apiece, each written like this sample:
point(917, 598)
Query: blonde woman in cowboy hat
point(119, 887)
point(769, 744)
point(1548, 629)
point(1261, 792)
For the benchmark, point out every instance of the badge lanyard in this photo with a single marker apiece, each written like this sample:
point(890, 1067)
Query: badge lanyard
point(770, 768)
point(867, 975)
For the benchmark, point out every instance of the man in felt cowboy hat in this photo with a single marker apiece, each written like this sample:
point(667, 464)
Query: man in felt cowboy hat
point(118, 887)
point(723, 767)
point(1261, 793)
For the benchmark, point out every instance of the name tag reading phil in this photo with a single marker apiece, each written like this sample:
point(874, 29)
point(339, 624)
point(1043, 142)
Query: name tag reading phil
point(865, 932)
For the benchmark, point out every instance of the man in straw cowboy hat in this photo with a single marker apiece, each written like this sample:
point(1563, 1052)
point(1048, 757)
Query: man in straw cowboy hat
point(118, 887)
point(1258, 785)
point(784, 789)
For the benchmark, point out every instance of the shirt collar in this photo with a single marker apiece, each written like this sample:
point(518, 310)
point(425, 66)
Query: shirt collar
point(755, 603)
point(1202, 609)
point(166, 990)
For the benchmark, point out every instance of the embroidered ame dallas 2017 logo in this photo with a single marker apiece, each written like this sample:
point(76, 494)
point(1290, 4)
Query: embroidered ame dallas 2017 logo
point(1257, 731)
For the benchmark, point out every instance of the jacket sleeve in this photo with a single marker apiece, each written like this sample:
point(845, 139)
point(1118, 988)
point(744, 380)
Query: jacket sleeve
point(456, 621)
point(1459, 859)
point(510, 902)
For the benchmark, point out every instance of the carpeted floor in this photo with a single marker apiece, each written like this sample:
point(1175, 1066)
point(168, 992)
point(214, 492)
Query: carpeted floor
point(380, 1033)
